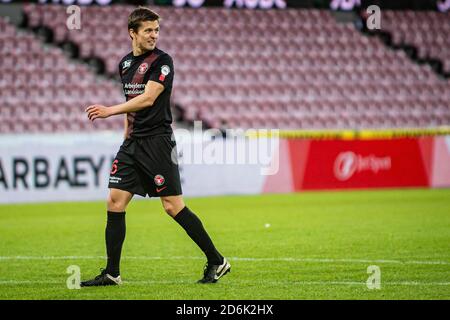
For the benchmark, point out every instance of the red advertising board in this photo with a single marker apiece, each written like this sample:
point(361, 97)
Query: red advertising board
point(341, 164)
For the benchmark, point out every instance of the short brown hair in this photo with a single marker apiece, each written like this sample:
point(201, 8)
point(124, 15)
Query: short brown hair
point(139, 15)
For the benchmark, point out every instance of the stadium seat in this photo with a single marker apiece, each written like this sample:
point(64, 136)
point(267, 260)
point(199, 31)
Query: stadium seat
point(325, 74)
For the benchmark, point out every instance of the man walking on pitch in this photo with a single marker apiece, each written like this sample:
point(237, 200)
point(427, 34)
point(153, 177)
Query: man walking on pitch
point(144, 162)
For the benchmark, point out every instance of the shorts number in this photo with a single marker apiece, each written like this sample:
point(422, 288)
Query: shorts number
point(114, 167)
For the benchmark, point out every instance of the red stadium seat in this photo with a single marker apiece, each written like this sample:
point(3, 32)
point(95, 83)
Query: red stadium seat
point(325, 74)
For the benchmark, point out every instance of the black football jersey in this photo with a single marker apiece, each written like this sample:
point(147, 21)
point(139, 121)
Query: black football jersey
point(135, 72)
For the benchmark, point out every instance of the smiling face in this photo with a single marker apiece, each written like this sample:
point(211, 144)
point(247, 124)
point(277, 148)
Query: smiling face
point(143, 28)
point(146, 36)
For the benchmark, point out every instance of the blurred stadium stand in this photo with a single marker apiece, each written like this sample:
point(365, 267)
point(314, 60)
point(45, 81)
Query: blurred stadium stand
point(428, 32)
point(43, 91)
point(287, 69)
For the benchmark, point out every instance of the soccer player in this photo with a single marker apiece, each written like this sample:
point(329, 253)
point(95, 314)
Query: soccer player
point(144, 163)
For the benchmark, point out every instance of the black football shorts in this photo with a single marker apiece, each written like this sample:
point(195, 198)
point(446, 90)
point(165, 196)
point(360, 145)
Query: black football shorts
point(145, 166)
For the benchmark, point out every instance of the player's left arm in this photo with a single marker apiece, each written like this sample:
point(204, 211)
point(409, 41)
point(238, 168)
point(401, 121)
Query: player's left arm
point(152, 91)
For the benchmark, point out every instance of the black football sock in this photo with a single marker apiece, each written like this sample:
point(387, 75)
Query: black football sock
point(194, 228)
point(114, 236)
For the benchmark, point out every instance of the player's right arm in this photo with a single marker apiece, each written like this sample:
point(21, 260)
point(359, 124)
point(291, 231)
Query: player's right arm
point(159, 79)
point(125, 126)
point(125, 120)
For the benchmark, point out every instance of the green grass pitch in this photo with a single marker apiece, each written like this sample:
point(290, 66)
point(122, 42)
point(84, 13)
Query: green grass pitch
point(312, 245)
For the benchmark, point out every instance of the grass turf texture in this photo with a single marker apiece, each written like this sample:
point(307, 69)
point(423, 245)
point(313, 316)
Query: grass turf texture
point(318, 246)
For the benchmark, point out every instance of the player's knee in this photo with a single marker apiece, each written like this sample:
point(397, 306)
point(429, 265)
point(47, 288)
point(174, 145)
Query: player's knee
point(172, 205)
point(170, 209)
point(115, 205)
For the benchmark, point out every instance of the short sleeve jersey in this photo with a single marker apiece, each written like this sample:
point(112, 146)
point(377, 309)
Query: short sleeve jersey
point(135, 72)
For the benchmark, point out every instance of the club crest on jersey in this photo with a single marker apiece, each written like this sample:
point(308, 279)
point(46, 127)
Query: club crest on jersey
point(165, 70)
point(159, 180)
point(143, 68)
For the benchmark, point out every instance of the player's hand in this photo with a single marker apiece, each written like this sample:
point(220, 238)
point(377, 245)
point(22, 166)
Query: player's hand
point(97, 111)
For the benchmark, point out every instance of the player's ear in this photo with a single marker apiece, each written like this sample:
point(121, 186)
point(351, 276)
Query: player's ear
point(131, 33)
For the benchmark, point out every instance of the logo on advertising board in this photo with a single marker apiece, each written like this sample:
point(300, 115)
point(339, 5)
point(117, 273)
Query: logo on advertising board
point(348, 163)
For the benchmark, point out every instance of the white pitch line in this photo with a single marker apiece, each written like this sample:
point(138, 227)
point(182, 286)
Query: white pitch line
point(325, 260)
point(314, 260)
point(15, 282)
point(262, 283)
point(403, 283)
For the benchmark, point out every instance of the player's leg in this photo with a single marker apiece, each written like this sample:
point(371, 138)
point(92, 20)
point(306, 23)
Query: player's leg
point(217, 265)
point(114, 237)
point(158, 161)
point(173, 205)
point(123, 184)
point(115, 228)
